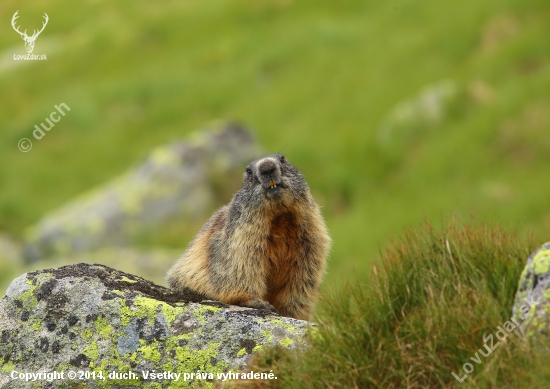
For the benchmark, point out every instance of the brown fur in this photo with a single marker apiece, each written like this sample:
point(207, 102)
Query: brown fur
point(266, 249)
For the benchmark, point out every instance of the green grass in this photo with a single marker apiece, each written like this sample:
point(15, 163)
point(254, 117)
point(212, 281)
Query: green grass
point(312, 78)
point(425, 311)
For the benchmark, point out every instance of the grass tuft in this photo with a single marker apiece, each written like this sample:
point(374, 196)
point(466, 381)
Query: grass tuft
point(422, 315)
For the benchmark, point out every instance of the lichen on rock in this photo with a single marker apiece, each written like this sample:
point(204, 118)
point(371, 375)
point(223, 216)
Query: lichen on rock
point(533, 296)
point(95, 319)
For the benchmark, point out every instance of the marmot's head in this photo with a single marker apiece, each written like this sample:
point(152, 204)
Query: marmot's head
point(273, 178)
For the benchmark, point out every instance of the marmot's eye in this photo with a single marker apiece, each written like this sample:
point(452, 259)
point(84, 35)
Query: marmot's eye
point(282, 159)
point(248, 171)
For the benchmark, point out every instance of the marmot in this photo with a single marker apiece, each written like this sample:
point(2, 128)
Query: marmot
point(266, 249)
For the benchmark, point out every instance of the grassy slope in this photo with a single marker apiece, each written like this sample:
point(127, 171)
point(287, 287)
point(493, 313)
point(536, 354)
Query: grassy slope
point(313, 78)
point(432, 301)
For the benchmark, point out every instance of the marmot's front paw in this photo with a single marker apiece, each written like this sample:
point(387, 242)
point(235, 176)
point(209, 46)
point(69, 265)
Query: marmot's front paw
point(258, 304)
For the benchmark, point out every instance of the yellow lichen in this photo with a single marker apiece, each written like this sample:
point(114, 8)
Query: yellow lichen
point(87, 333)
point(27, 298)
point(279, 323)
point(149, 352)
point(91, 351)
point(267, 334)
point(286, 342)
point(103, 327)
point(8, 367)
point(126, 279)
point(199, 312)
point(541, 262)
point(36, 324)
point(149, 308)
point(146, 307)
point(170, 312)
point(125, 314)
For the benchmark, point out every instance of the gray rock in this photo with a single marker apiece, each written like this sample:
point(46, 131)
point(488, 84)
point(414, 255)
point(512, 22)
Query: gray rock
point(151, 263)
point(106, 323)
point(18, 286)
point(411, 118)
point(175, 181)
point(10, 250)
point(532, 302)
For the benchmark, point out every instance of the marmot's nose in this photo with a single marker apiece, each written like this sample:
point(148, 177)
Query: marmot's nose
point(267, 168)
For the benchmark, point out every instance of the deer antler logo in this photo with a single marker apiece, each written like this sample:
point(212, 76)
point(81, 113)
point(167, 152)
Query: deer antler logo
point(29, 40)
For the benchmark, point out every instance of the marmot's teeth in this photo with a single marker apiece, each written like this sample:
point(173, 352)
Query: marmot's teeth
point(272, 184)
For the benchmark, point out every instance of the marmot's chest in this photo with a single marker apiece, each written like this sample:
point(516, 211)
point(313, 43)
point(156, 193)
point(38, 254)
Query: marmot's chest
point(283, 251)
point(283, 239)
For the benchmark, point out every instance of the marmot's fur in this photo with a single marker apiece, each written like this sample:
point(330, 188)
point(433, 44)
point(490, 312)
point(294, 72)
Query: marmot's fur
point(267, 249)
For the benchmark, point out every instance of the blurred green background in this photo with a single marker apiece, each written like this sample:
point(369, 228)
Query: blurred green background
point(396, 111)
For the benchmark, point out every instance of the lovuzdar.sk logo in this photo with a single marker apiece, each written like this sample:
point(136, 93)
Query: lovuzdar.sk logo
point(29, 40)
